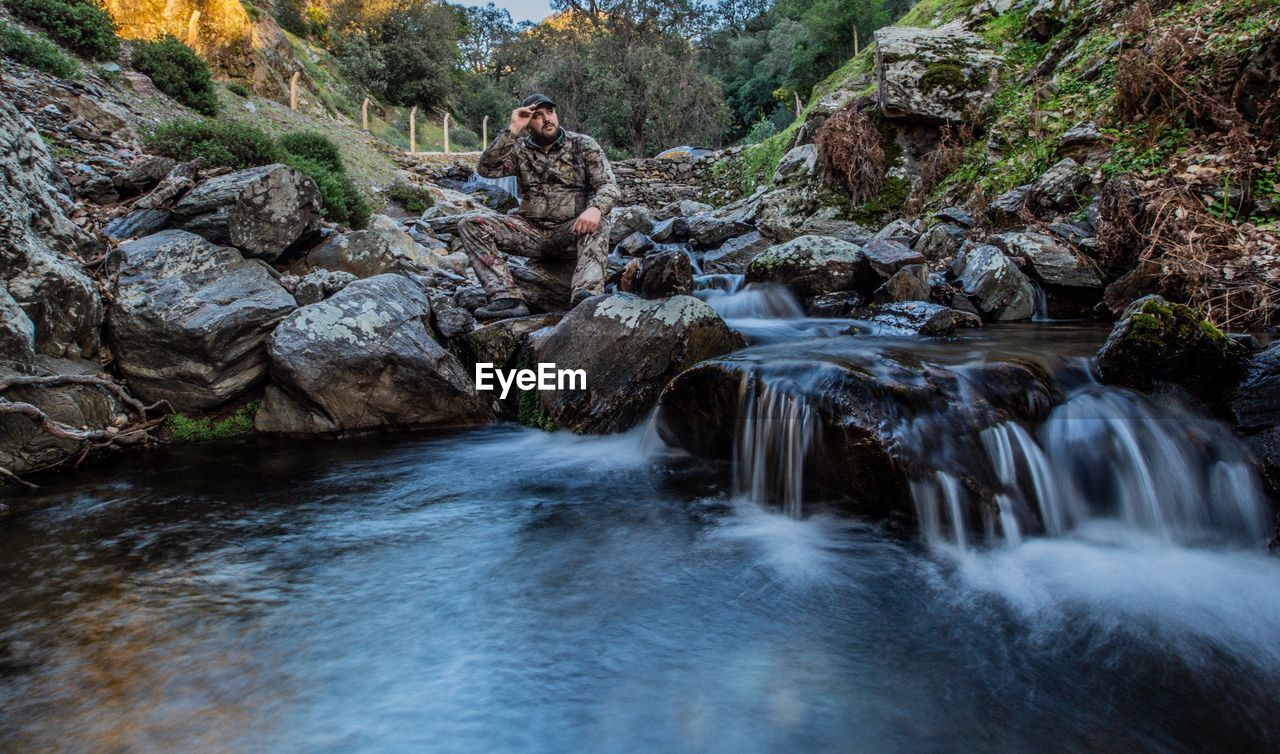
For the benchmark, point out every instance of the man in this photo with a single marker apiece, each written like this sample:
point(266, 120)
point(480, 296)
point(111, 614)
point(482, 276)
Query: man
point(566, 191)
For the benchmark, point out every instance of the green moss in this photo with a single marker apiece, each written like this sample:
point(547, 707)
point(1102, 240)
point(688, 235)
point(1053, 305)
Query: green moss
point(205, 429)
point(942, 75)
point(1162, 324)
point(887, 203)
point(530, 412)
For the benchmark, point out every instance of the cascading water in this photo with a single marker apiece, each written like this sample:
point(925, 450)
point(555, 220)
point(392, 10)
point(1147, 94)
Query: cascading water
point(762, 312)
point(775, 434)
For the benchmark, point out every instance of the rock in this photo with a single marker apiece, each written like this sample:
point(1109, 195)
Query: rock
point(673, 230)
point(181, 178)
point(667, 273)
point(918, 318)
point(782, 212)
point(449, 319)
point(887, 257)
point(635, 245)
point(709, 232)
point(24, 445)
point(744, 210)
point(1256, 404)
point(544, 283)
point(136, 224)
point(470, 297)
point(260, 211)
point(940, 242)
point(1158, 343)
point(143, 174)
point(318, 285)
point(1074, 233)
point(99, 189)
point(933, 75)
point(1049, 260)
point(901, 231)
point(799, 164)
point(1085, 143)
point(1008, 206)
point(911, 283)
point(629, 348)
point(384, 247)
point(447, 202)
point(365, 359)
point(188, 319)
point(1046, 18)
point(826, 222)
point(17, 335)
point(994, 283)
point(40, 246)
point(628, 220)
point(808, 265)
point(840, 304)
point(682, 208)
point(734, 255)
point(1059, 187)
point(955, 216)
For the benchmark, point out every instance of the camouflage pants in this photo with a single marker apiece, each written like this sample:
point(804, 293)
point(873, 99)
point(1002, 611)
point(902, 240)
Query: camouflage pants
point(483, 236)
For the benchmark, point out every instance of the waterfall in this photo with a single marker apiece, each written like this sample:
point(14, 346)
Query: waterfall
point(775, 434)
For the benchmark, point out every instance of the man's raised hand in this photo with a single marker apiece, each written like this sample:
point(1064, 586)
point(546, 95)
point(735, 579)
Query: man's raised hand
point(520, 118)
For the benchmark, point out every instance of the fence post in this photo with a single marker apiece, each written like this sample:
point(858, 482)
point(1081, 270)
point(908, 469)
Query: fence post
point(446, 133)
point(855, 40)
point(484, 133)
point(413, 130)
point(364, 114)
point(293, 90)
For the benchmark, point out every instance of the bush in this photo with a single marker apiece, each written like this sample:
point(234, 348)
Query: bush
point(237, 89)
point(315, 147)
point(413, 198)
point(177, 71)
point(82, 25)
point(35, 50)
point(230, 145)
point(343, 203)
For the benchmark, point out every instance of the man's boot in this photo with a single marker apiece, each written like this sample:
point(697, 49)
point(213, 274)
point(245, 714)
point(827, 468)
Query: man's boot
point(502, 308)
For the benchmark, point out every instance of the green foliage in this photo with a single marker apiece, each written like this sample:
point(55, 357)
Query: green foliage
point(238, 89)
point(82, 25)
point(205, 429)
point(313, 146)
point(1141, 149)
point(343, 202)
point(35, 50)
point(177, 71)
point(1166, 325)
point(416, 199)
point(530, 412)
point(405, 56)
point(218, 143)
point(887, 203)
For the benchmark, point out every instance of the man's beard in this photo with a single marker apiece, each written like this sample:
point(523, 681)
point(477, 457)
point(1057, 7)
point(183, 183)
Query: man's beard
point(543, 141)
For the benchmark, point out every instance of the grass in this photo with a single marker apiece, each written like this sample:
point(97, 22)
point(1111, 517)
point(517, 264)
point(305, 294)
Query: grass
point(207, 429)
point(36, 51)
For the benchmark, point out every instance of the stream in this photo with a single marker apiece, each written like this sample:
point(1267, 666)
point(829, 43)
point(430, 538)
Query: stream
point(507, 589)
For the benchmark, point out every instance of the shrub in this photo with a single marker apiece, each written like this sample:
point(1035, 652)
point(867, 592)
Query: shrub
point(315, 147)
point(237, 89)
point(82, 25)
point(231, 145)
point(177, 71)
point(36, 51)
point(343, 202)
point(416, 199)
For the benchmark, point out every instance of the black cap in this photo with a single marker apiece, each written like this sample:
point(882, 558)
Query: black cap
point(537, 100)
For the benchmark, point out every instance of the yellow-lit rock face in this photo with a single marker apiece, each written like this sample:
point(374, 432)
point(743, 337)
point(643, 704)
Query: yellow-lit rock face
point(208, 26)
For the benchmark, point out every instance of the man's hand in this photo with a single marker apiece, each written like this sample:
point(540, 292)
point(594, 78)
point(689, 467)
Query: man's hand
point(520, 118)
point(587, 222)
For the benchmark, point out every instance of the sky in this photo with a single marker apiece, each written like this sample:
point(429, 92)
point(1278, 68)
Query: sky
point(520, 10)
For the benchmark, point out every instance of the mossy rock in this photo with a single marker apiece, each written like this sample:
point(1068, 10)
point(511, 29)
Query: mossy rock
point(1157, 343)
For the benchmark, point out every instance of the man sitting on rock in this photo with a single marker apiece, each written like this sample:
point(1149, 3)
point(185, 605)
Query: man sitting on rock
point(566, 191)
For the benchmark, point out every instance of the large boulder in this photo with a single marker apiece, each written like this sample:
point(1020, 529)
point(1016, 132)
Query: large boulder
point(798, 164)
point(707, 231)
point(994, 284)
point(666, 273)
point(363, 360)
point(808, 265)
point(1256, 404)
point(189, 318)
point(911, 283)
point(1071, 281)
point(40, 247)
point(933, 75)
point(627, 220)
point(1156, 343)
point(782, 212)
point(940, 242)
point(826, 221)
point(384, 247)
point(885, 257)
point(262, 211)
point(629, 348)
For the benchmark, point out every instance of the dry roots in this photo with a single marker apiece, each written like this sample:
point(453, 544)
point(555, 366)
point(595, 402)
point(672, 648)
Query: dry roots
point(849, 145)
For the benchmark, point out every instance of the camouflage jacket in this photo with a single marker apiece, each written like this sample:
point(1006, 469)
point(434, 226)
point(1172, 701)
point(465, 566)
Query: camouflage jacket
point(556, 185)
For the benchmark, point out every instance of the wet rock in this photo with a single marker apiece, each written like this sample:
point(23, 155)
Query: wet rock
point(840, 304)
point(933, 75)
point(362, 360)
point(667, 273)
point(682, 208)
point(188, 319)
point(994, 284)
point(708, 231)
point(673, 230)
point(919, 318)
point(911, 283)
point(940, 242)
point(1059, 188)
point(635, 245)
point(1256, 403)
point(136, 224)
point(735, 254)
point(798, 164)
point(629, 348)
point(887, 257)
point(1049, 260)
point(319, 285)
point(1157, 343)
point(808, 265)
point(24, 445)
point(40, 246)
point(628, 220)
point(262, 211)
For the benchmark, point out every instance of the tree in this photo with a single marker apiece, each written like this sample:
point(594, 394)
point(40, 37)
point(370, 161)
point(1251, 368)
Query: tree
point(405, 56)
point(487, 29)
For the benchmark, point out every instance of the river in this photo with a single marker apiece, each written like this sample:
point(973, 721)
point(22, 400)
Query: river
point(506, 589)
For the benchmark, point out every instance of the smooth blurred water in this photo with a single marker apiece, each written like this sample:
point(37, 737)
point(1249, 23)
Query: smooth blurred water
point(509, 590)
